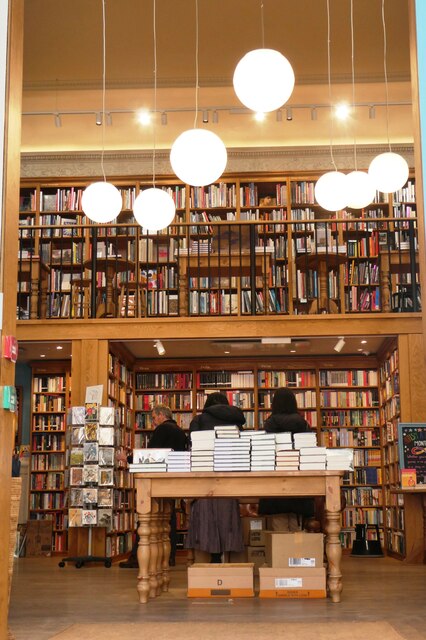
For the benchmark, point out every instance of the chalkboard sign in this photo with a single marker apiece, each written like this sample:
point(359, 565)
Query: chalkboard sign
point(412, 448)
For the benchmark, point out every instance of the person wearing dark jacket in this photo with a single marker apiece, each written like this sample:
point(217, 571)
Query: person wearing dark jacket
point(215, 523)
point(285, 417)
point(167, 435)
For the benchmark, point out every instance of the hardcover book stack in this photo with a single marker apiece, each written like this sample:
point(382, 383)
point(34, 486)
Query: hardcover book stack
point(231, 453)
point(312, 458)
point(149, 460)
point(179, 461)
point(286, 458)
point(263, 451)
point(91, 462)
point(340, 459)
point(202, 450)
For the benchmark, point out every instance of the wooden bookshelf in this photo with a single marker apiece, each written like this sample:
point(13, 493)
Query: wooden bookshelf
point(51, 386)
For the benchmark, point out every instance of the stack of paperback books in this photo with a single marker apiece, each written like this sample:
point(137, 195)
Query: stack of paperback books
point(286, 458)
point(202, 448)
point(305, 439)
point(263, 451)
point(179, 461)
point(231, 431)
point(312, 458)
point(340, 459)
point(149, 460)
point(232, 454)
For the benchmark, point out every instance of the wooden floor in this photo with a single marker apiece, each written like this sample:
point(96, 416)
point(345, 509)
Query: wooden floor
point(47, 599)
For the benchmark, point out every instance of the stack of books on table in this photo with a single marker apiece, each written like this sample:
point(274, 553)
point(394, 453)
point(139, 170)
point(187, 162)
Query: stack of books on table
point(149, 460)
point(179, 461)
point(305, 439)
point(263, 452)
point(231, 431)
point(286, 458)
point(232, 454)
point(340, 459)
point(312, 458)
point(202, 448)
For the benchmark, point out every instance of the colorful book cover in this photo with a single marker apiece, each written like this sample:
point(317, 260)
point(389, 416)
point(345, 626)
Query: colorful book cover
point(91, 451)
point(89, 517)
point(105, 497)
point(76, 457)
point(90, 473)
point(408, 478)
point(76, 476)
point(90, 495)
point(91, 431)
point(106, 477)
point(91, 411)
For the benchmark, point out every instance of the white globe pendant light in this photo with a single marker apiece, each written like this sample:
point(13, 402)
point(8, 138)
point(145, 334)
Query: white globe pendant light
point(154, 209)
point(389, 172)
point(198, 157)
point(330, 191)
point(360, 189)
point(101, 202)
point(263, 80)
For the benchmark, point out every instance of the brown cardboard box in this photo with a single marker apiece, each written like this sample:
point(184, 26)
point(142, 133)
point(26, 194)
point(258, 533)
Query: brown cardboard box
point(294, 549)
point(201, 556)
point(256, 555)
point(252, 528)
point(39, 538)
point(292, 583)
point(220, 580)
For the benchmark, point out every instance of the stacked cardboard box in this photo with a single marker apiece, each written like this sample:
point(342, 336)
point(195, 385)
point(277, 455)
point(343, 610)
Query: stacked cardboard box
point(220, 580)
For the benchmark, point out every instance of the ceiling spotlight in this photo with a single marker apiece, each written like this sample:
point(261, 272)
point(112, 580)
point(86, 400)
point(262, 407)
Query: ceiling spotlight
point(279, 115)
point(363, 341)
point(205, 116)
point(339, 345)
point(58, 121)
point(144, 117)
point(59, 347)
point(342, 111)
point(164, 118)
point(314, 114)
point(160, 348)
point(289, 115)
point(372, 112)
point(215, 117)
point(99, 119)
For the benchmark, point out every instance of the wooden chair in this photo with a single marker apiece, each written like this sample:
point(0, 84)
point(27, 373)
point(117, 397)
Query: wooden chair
point(80, 297)
point(131, 303)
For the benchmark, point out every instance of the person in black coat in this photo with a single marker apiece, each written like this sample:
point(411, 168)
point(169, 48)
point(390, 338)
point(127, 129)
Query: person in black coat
point(285, 417)
point(167, 435)
point(215, 523)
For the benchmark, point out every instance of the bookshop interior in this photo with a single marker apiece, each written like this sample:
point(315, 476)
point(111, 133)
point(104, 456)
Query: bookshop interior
point(213, 225)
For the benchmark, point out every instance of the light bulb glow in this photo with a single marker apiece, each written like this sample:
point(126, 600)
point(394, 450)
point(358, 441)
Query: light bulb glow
point(144, 118)
point(360, 189)
point(389, 172)
point(154, 209)
point(342, 111)
point(101, 202)
point(263, 80)
point(330, 191)
point(198, 157)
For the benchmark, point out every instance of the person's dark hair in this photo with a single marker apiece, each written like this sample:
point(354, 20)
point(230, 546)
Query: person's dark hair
point(215, 398)
point(284, 401)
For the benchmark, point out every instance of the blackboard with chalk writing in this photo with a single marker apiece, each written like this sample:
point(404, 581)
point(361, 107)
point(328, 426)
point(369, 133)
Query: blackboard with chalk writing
point(412, 448)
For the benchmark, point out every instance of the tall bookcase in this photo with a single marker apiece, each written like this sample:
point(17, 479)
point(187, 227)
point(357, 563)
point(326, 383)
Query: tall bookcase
point(358, 260)
point(121, 396)
point(51, 386)
point(390, 415)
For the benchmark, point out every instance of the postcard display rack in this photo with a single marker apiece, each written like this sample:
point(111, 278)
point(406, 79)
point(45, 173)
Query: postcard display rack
point(91, 473)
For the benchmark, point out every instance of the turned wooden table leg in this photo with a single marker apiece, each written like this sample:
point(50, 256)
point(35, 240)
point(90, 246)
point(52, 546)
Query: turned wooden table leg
point(166, 545)
point(160, 554)
point(144, 552)
point(334, 554)
point(153, 548)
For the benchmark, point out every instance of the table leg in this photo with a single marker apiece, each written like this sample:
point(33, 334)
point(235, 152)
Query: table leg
point(144, 552)
point(166, 544)
point(334, 554)
point(153, 549)
point(160, 548)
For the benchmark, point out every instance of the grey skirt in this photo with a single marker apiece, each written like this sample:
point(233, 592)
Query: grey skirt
point(215, 526)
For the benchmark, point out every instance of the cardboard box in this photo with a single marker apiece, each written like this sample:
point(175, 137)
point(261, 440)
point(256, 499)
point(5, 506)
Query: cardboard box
point(256, 555)
point(39, 538)
point(220, 580)
point(201, 556)
point(292, 583)
point(252, 528)
point(294, 549)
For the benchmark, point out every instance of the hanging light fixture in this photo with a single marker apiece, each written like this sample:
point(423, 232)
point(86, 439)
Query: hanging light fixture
point(359, 185)
point(102, 201)
point(330, 188)
point(389, 171)
point(266, 68)
point(198, 156)
point(154, 209)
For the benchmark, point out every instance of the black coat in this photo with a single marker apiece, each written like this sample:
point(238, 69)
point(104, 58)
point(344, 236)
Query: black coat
point(168, 435)
point(290, 422)
point(218, 415)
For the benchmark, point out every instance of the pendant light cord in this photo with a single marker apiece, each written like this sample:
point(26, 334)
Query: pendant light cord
point(385, 69)
point(154, 26)
point(103, 86)
point(196, 64)
point(329, 86)
point(353, 81)
point(262, 23)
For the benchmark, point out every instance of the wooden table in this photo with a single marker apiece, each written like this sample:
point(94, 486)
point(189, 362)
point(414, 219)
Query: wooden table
point(415, 523)
point(110, 265)
point(323, 263)
point(153, 505)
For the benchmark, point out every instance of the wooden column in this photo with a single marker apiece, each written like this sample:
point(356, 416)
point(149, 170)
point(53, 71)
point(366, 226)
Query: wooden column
point(89, 367)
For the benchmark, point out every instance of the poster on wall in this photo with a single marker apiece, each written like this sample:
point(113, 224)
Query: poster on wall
point(412, 448)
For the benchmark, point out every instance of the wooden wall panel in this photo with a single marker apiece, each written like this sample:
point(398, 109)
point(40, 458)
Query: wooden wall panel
point(89, 367)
